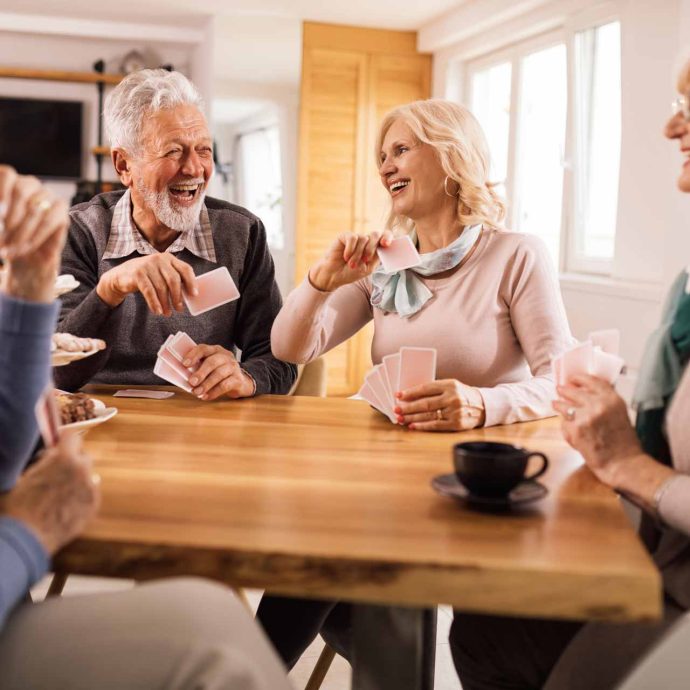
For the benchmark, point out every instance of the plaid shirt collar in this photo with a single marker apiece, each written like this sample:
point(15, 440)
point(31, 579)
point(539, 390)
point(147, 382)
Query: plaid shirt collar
point(124, 238)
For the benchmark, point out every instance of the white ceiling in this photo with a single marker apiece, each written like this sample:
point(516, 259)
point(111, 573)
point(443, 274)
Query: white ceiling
point(386, 14)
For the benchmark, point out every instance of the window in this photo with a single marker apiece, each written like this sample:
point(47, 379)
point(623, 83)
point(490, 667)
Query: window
point(598, 140)
point(540, 146)
point(491, 105)
point(555, 139)
point(260, 181)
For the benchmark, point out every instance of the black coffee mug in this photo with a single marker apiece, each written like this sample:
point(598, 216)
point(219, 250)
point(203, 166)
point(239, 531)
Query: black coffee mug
point(493, 469)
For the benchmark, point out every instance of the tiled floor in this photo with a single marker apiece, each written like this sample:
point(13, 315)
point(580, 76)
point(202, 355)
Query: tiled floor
point(338, 677)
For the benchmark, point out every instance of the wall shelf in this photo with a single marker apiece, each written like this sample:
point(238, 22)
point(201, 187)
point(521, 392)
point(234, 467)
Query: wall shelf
point(58, 75)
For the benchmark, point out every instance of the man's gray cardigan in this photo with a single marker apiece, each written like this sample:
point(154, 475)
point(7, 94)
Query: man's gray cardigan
point(133, 334)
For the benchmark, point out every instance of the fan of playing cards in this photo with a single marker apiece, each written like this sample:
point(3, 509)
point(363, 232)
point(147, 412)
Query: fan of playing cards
point(597, 356)
point(411, 366)
point(170, 357)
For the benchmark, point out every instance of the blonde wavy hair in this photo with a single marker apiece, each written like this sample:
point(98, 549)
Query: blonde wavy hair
point(463, 153)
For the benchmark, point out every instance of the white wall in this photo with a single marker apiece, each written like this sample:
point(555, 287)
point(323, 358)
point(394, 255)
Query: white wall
point(653, 234)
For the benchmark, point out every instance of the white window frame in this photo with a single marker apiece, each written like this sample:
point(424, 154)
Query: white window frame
point(569, 259)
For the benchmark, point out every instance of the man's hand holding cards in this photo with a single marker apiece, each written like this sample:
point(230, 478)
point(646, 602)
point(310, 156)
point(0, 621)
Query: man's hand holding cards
point(207, 371)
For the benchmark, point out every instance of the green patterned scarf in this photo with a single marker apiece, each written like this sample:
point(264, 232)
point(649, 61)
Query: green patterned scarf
point(665, 358)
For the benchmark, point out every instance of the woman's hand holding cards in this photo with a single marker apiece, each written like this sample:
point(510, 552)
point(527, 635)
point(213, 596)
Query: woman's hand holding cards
point(443, 405)
point(218, 374)
point(351, 257)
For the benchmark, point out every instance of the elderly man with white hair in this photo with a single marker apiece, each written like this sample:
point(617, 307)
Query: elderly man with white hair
point(134, 252)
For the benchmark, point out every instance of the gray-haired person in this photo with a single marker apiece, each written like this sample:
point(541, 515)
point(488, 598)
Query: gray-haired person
point(182, 633)
point(134, 252)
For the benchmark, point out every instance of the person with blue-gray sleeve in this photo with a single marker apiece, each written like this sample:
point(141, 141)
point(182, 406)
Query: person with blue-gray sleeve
point(176, 634)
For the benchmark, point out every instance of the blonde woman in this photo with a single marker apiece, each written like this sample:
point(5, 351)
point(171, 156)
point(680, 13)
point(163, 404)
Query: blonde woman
point(487, 299)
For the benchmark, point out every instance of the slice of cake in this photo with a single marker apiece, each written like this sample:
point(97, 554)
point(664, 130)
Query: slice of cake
point(75, 407)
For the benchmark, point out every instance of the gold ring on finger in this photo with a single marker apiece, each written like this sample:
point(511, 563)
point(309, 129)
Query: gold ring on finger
point(41, 204)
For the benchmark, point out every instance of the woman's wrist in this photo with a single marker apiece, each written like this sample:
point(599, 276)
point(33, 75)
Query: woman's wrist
point(638, 476)
point(318, 279)
point(473, 404)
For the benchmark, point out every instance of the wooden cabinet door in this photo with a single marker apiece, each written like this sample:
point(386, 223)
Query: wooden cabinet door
point(392, 80)
point(350, 78)
point(332, 131)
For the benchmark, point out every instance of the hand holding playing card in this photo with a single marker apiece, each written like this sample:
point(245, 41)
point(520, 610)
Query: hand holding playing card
point(596, 423)
point(349, 258)
point(33, 227)
point(160, 278)
point(218, 373)
point(58, 495)
point(444, 405)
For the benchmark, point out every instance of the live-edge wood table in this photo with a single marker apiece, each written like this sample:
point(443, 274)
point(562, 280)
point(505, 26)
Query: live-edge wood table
point(323, 497)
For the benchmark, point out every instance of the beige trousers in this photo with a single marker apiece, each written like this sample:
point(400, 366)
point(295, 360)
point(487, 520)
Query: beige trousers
point(182, 633)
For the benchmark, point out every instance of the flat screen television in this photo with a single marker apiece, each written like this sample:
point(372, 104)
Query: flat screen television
point(41, 137)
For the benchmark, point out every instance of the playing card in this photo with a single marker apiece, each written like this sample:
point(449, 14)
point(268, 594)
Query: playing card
point(605, 365)
point(140, 393)
point(367, 392)
point(172, 361)
point(392, 365)
point(400, 254)
point(215, 288)
point(390, 393)
point(167, 373)
point(180, 345)
point(374, 380)
point(48, 417)
point(417, 366)
point(608, 340)
point(576, 361)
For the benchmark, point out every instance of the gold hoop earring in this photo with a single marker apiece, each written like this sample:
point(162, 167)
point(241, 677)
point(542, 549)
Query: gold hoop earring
point(445, 188)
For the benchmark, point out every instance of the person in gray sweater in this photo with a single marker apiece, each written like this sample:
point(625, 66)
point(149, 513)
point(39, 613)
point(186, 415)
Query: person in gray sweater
point(134, 252)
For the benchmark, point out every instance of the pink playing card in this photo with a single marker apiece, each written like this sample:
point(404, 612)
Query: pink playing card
point(174, 363)
point(167, 373)
point(367, 392)
point(417, 366)
point(373, 378)
point(392, 365)
point(215, 289)
point(608, 340)
point(400, 254)
point(140, 393)
point(606, 366)
point(180, 345)
point(576, 361)
point(390, 393)
point(48, 417)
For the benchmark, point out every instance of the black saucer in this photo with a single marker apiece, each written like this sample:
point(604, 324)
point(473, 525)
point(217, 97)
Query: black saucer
point(524, 492)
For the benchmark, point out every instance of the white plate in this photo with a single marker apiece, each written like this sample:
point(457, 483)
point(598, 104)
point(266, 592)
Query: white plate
point(65, 283)
point(59, 358)
point(103, 414)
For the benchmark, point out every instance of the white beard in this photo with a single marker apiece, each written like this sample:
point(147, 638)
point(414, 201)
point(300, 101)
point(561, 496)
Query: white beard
point(180, 219)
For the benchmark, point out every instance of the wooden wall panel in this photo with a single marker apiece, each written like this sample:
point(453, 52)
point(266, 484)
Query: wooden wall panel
point(350, 77)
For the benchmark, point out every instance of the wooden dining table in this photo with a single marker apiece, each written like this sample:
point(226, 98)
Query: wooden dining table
point(325, 498)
